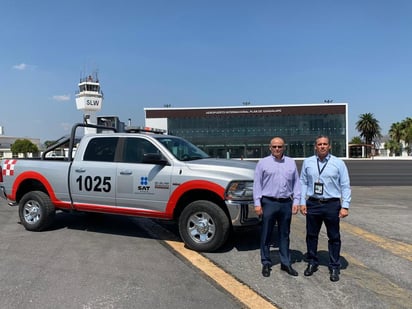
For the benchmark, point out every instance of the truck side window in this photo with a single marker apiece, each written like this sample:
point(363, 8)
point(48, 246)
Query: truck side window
point(136, 148)
point(101, 149)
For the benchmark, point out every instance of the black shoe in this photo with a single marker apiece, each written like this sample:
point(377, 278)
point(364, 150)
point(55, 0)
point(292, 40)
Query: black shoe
point(310, 270)
point(266, 270)
point(334, 275)
point(289, 270)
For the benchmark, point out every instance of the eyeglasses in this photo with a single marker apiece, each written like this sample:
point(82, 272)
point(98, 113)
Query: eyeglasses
point(276, 147)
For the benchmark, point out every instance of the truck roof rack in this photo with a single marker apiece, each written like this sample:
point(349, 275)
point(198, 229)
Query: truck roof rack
point(140, 129)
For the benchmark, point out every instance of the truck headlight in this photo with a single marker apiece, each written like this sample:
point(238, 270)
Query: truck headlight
point(239, 191)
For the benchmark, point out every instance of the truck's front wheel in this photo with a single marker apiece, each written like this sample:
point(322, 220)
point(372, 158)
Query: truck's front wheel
point(204, 226)
point(36, 211)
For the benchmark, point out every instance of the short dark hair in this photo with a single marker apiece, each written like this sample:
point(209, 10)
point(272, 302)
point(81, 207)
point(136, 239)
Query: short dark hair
point(322, 136)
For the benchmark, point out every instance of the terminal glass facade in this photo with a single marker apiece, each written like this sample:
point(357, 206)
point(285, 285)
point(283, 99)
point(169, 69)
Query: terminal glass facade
point(246, 132)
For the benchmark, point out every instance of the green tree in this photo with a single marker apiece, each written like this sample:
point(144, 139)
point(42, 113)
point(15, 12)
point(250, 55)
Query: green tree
point(369, 128)
point(402, 131)
point(23, 146)
point(393, 146)
point(396, 131)
point(407, 133)
point(47, 144)
point(356, 140)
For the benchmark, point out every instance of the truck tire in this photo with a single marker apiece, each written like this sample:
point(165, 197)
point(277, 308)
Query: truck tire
point(204, 226)
point(36, 211)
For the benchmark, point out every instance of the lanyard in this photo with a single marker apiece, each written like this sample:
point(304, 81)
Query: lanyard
point(323, 167)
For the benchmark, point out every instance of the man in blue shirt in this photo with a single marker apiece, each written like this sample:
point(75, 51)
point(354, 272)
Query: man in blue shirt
point(276, 194)
point(326, 196)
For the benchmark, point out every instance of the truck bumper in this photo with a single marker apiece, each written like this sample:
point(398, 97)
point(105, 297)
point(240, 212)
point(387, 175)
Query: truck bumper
point(3, 194)
point(242, 213)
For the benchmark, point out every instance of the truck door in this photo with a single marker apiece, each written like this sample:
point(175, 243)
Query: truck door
point(142, 185)
point(93, 177)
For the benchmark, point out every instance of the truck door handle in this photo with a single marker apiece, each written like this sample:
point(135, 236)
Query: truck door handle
point(126, 172)
point(80, 170)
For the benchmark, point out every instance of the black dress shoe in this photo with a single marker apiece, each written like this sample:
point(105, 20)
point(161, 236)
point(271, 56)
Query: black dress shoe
point(334, 275)
point(310, 270)
point(266, 270)
point(288, 269)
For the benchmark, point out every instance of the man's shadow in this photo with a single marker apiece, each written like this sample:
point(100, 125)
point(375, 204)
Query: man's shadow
point(248, 239)
point(323, 259)
point(296, 256)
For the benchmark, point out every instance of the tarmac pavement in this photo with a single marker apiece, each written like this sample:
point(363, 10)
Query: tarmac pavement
point(97, 261)
point(116, 262)
point(376, 258)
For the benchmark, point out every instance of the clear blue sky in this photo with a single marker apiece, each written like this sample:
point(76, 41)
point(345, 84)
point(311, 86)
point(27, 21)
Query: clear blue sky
point(192, 53)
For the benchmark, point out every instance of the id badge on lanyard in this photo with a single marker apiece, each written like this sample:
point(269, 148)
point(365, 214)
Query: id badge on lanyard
point(318, 188)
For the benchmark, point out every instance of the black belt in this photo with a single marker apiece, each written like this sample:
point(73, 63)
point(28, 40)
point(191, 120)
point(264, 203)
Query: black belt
point(323, 200)
point(278, 199)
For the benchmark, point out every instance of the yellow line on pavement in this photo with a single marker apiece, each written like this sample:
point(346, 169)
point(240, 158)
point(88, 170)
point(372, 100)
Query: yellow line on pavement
point(240, 291)
point(396, 247)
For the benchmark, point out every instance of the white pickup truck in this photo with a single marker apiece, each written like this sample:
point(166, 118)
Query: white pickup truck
point(135, 174)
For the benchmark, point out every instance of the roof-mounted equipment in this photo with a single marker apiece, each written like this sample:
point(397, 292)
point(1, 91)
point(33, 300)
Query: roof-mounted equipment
point(140, 129)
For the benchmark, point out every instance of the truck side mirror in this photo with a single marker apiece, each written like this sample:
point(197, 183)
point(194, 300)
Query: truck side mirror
point(154, 158)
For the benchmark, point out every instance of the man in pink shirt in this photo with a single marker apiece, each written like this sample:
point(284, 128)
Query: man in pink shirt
point(276, 194)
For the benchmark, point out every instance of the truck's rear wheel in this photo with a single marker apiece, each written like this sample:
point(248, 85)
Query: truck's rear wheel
point(36, 211)
point(204, 226)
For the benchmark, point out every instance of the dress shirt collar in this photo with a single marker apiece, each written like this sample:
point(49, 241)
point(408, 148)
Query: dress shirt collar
point(326, 159)
point(279, 160)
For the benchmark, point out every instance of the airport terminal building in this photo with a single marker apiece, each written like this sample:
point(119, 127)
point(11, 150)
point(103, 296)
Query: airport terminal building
point(245, 131)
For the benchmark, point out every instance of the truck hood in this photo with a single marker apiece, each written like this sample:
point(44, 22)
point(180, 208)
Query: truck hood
point(236, 169)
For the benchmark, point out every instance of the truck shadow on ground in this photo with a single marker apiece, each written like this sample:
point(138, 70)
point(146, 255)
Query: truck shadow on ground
point(244, 239)
point(103, 223)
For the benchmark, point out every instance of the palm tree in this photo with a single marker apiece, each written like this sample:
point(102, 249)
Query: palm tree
point(356, 140)
point(407, 132)
point(369, 128)
point(396, 131)
point(407, 137)
point(402, 131)
point(393, 146)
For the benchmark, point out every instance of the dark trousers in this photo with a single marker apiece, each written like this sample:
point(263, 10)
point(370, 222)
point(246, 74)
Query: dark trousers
point(280, 212)
point(317, 213)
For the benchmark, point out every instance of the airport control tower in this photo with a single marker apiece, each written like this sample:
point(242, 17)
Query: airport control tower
point(89, 99)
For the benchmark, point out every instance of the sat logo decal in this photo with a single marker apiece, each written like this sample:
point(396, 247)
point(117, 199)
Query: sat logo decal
point(143, 184)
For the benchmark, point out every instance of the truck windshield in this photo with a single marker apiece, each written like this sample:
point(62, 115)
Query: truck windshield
point(182, 149)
